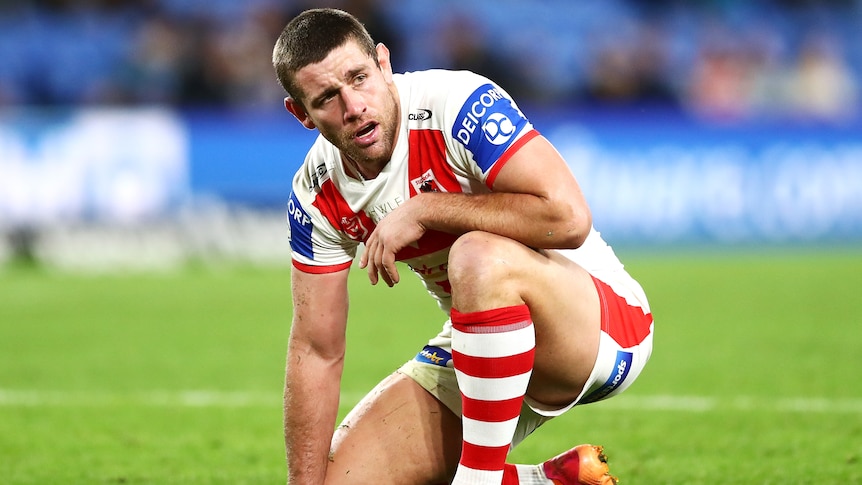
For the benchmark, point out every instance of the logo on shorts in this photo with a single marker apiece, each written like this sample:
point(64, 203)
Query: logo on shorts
point(434, 355)
point(617, 377)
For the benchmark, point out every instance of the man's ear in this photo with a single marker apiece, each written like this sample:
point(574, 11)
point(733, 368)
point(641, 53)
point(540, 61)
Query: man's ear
point(384, 60)
point(298, 111)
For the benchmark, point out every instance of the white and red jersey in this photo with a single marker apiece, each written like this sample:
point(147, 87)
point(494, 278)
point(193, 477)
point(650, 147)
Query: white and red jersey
point(457, 131)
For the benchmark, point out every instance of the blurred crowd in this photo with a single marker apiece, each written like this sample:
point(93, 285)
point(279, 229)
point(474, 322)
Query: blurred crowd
point(721, 58)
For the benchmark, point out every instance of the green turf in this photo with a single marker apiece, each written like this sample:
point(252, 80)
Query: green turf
point(177, 378)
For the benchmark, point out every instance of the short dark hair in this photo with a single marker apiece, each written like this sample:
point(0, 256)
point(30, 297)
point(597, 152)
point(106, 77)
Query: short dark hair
point(310, 37)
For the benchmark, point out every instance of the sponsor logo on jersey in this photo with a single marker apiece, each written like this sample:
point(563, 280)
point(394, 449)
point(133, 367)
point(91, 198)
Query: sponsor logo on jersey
point(379, 211)
point(426, 183)
point(487, 124)
point(420, 115)
point(617, 377)
point(301, 228)
point(498, 128)
point(319, 174)
point(434, 355)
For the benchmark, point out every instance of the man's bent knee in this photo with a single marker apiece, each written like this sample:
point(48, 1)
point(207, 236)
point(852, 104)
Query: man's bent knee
point(484, 271)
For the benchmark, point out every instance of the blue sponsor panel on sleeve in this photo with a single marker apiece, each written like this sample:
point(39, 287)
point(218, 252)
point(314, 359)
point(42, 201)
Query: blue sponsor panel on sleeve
point(487, 125)
point(300, 228)
point(616, 379)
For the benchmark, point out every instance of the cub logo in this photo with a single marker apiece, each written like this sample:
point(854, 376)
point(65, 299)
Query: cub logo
point(420, 115)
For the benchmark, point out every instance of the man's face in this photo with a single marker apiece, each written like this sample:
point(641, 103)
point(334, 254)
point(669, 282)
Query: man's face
point(352, 102)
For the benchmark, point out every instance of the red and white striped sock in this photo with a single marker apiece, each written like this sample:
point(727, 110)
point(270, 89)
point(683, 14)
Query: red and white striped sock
point(525, 475)
point(493, 353)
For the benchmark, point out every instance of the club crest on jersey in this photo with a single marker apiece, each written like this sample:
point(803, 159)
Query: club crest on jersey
point(426, 183)
point(354, 228)
point(487, 124)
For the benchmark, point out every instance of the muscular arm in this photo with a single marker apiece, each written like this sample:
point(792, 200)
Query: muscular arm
point(315, 359)
point(535, 200)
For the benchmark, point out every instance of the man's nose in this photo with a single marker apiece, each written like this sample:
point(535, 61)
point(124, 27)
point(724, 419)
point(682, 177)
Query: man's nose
point(354, 104)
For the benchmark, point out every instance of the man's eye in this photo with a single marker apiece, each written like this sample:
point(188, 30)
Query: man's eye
point(361, 78)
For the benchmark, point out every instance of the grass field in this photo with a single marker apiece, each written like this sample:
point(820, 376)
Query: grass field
point(176, 378)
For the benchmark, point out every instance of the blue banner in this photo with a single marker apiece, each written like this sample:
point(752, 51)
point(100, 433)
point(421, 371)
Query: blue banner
point(650, 177)
point(672, 178)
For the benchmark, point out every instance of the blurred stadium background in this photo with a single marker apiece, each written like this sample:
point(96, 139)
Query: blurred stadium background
point(147, 133)
point(146, 139)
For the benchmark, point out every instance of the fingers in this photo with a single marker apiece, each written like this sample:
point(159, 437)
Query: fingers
point(383, 264)
point(390, 271)
point(379, 263)
point(367, 261)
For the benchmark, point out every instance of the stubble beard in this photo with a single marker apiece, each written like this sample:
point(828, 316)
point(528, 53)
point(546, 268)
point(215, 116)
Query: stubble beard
point(379, 154)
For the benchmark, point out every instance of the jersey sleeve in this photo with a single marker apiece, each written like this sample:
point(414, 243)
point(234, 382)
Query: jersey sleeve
point(316, 246)
point(488, 126)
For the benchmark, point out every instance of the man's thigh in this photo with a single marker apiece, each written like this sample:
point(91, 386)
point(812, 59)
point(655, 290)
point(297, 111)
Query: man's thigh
point(566, 311)
point(398, 434)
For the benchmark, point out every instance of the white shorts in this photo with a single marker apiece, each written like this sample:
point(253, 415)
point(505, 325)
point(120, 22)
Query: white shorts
point(625, 346)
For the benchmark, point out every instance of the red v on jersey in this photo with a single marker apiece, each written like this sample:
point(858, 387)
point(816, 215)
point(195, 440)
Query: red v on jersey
point(333, 206)
point(427, 171)
point(427, 167)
